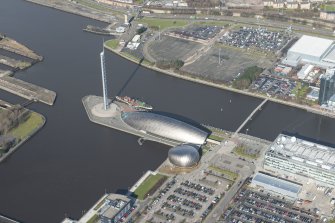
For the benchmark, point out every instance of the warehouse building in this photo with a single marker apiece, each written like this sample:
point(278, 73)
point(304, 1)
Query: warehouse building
point(313, 50)
point(301, 157)
point(276, 185)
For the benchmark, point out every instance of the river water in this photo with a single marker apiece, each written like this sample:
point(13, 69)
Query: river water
point(71, 162)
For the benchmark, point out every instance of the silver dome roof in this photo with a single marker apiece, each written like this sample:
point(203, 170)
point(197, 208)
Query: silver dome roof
point(165, 127)
point(184, 156)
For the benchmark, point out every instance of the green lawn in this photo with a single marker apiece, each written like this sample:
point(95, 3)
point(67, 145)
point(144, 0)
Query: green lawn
point(163, 23)
point(149, 183)
point(213, 23)
point(241, 151)
point(113, 43)
point(138, 1)
point(216, 138)
point(93, 219)
point(226, 172)
point(329, 8)
point(28, 127)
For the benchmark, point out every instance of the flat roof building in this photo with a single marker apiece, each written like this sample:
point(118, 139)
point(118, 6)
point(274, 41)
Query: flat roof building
point(117, 206)
point(276, 185)
point(310, 49)
point(301, 157)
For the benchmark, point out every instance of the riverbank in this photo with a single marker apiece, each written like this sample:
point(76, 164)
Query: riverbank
point(76, 9)
point(25, 130)
point(223, 87)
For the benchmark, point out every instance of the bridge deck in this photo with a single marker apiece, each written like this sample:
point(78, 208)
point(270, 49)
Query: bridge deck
point(250, 116)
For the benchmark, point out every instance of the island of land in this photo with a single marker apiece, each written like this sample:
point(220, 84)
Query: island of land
point(17, 125)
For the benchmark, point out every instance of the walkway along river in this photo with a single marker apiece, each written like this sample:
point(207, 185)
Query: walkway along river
point(71, 162)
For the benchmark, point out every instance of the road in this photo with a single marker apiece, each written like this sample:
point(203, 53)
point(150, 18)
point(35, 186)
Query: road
point(248, 169)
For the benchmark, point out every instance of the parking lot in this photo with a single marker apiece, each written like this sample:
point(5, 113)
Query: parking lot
point(232, 62)
point(260, 38)
point(281, 87)
point(198, 32)
point(170, 48)
point(180, 200)
point(257, 206)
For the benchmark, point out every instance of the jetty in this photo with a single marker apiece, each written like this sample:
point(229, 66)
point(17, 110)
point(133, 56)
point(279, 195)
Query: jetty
point(13, 46)
point(27, 90)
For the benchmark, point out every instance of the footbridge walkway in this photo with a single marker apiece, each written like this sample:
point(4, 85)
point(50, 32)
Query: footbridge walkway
point(250, 117)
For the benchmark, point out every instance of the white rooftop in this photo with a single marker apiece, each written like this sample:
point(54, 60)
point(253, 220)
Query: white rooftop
point(310, 45)
point(304, 151)
point(330, 56)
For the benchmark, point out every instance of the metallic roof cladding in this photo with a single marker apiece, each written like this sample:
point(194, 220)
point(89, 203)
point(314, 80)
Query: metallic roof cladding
point(184, 156)
point(165, 127)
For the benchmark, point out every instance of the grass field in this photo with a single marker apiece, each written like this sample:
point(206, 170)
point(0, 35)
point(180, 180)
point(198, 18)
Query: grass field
point(241, 151)
point(216, 138)
point(329, 8)
point(226, 172)
point(163, 23)
point(28, 127)
point(113, 43)
point(149, 183)
point(213, 23)
point(93, 219)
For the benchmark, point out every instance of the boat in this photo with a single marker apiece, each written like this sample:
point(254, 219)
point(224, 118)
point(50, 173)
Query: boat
point(98, 30)
point(134, 102)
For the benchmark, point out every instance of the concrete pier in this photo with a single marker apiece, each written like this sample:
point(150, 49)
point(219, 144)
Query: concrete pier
point(112, 118)
point(27, 90)
point(4, 219)
point(12, 46)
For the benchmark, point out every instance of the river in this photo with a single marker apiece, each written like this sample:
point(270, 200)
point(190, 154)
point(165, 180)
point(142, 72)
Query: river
point(71, 162)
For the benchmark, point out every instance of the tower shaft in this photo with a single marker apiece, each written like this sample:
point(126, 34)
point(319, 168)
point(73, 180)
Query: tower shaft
point(104, 80)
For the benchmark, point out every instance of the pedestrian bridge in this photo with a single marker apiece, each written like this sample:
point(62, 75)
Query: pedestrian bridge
point(259, 107)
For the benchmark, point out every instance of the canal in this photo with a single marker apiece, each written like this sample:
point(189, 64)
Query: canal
point(68, 165)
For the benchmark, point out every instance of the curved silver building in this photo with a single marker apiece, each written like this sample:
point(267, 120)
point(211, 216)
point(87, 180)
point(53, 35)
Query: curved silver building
point(184, 156)
point(165, 127)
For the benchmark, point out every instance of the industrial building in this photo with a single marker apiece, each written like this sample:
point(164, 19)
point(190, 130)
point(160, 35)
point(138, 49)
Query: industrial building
point(313, 50)
point(184, 156)
point(276, 185)
point(327, 86)
point(116, 206)
point(164, 127)
point(297, 156)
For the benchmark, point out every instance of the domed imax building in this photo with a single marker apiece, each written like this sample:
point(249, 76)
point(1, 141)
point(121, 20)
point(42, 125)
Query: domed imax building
point(184, 156)
point(165, 127)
